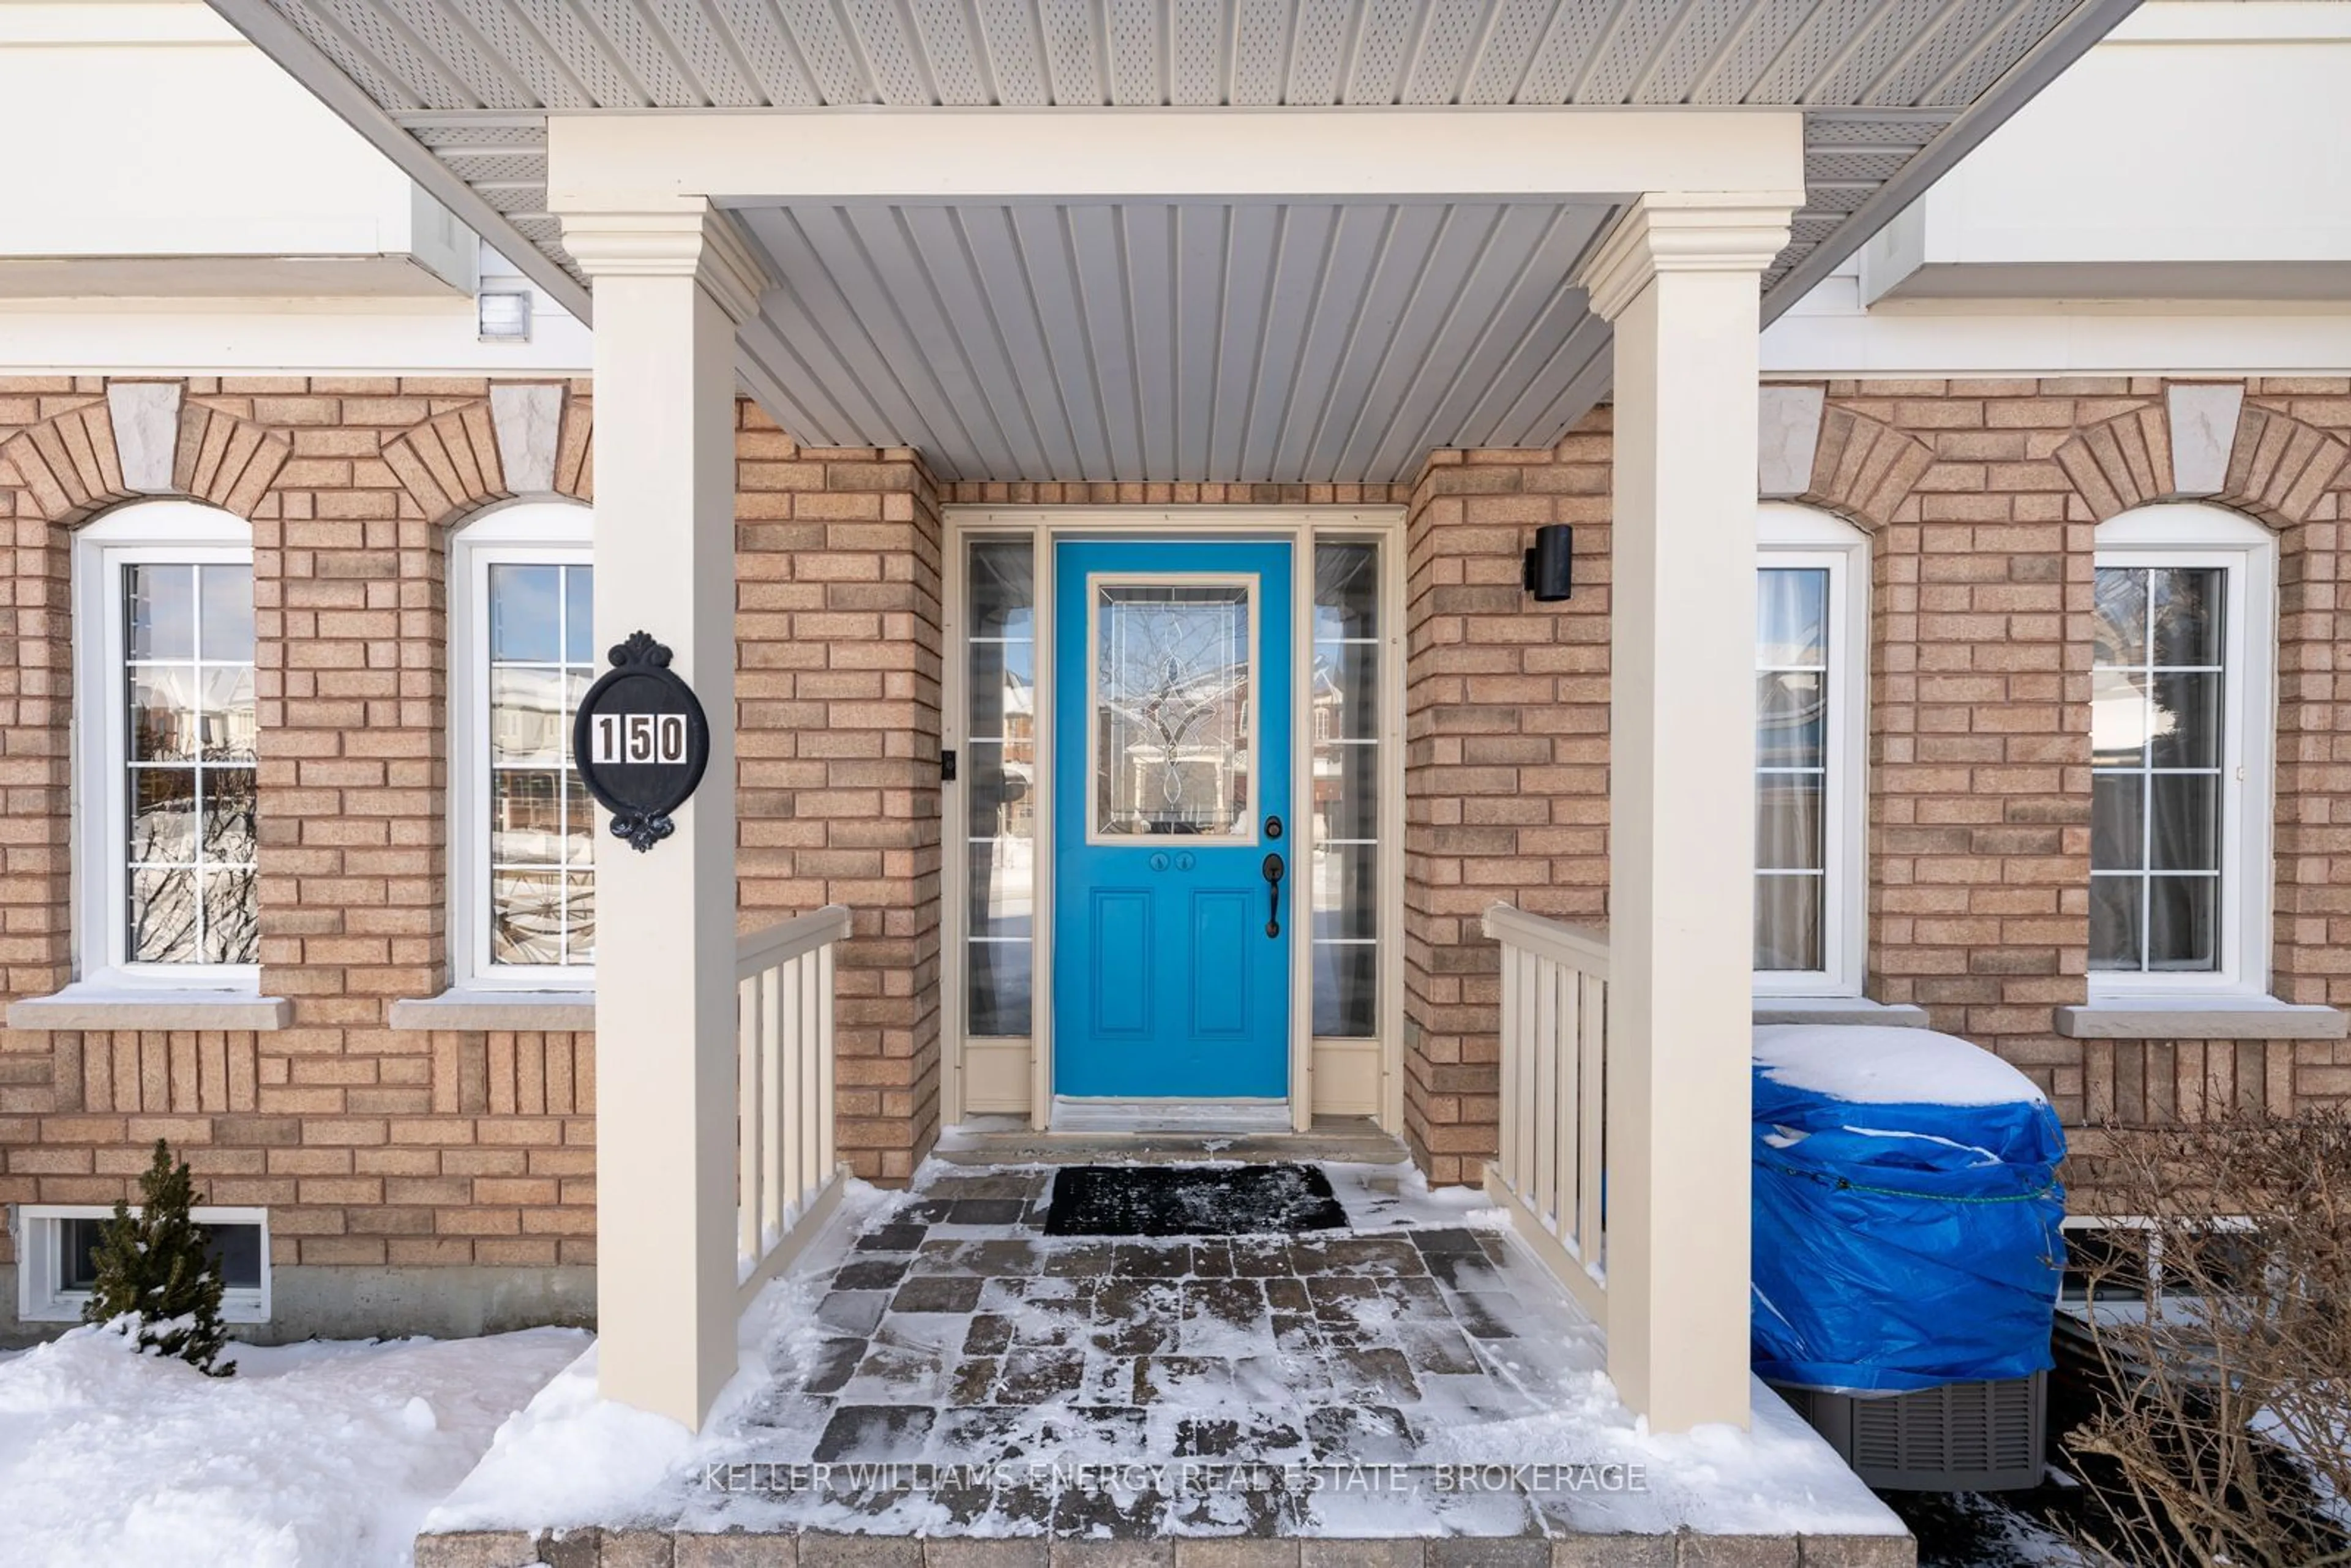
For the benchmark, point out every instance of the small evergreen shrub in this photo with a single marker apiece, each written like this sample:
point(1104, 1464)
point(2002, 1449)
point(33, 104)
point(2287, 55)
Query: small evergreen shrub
point(155, 1267)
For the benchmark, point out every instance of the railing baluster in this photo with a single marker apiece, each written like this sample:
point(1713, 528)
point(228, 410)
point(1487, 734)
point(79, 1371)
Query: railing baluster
point(1529, 1049)
point(1592, 1222)
point(820, 1099)
point(1540, 1188)
point(748, 1098)
point(788, 1087)
point(1561, 1105)
point(774, 1215)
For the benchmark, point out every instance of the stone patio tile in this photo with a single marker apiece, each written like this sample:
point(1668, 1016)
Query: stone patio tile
point(1471, 1270)
point(790, 1421)
point(894, 1375)
point(1630, 1548)
point(1347, 1298)
point(992, 1256)
point(1381, 1372)
point(1363, 1434)
point(964, 1552)
point(1243, 1436)
point(1108, 1379)
point(852, 1311)
point(937, 1293)
point(1106, 1427)
point(998, 1211)
point(1488, 1314)
point(1614, 1552)
point(974, 1380)
point(1149, 1260)
point(1033, 1375)
point(881, 1273)
point(733, 1549)
point(1212, 1259)
point(986, 1432)
point(988, 1335)
point(1738, 1551)
point(1188, 1380)
point(1061, 1316)
point(1417, 1299)
point(1082, 1260)
point(1260, 1256)
point(1360, 1554)
point(1438, 1347)
point(1858, 1551)
point(1197, 1553)
point(831, 1551)
point(992, 1183)
point(940, 1332)
point(1473, 1552)
point(875, 1433)
point(1437, 1241)
point(636, 1549)
point(1286, 1293)
point(898, 1236)
point(835, 1363)
point(1380, 1255)
point(1098, 1522)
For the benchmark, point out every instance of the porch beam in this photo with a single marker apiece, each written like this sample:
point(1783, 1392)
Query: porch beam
point(772, 157)
point(671, 288)
point(1679, 278)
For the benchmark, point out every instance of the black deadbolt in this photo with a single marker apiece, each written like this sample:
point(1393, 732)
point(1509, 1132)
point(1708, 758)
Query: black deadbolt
point(1273, 827)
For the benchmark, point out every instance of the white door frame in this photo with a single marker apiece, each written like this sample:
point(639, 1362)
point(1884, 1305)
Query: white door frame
point(1369, 1072)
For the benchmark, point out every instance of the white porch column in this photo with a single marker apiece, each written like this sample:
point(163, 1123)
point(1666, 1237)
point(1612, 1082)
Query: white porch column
point(669, 288)
point(1679, 277)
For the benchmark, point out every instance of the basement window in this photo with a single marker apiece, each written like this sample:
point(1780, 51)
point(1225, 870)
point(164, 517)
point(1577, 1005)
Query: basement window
point(56, 1271)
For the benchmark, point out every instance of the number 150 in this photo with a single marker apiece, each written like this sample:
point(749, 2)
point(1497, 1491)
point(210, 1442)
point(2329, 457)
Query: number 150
point(639, 737)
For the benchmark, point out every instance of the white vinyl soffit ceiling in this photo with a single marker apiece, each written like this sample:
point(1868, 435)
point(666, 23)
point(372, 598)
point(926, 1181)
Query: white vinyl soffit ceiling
point(1288, 341)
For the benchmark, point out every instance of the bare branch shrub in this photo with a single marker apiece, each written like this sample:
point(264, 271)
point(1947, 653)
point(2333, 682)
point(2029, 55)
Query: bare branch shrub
point(2224, 1433)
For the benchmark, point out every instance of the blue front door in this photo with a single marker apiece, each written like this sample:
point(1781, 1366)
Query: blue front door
point(1171, 786)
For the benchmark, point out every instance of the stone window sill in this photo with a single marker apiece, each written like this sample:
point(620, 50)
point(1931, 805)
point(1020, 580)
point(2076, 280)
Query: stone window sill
point(87, 1006)
point(530, 1012)
point(2190, 1017)
point(1838, 1009)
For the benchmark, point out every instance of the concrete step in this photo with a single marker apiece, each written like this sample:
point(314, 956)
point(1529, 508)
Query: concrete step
point(1007, 1141)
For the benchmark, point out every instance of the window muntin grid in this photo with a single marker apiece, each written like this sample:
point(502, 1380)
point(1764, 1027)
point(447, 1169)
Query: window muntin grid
point(1793, 611)
point(539, 661)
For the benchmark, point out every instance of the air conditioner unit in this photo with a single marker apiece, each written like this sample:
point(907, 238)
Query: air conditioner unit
point(1959, 1436)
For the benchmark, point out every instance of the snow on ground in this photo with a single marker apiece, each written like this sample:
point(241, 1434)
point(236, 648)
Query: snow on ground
point(572, 1459)
point(1871, 1064)
point(323, 1455)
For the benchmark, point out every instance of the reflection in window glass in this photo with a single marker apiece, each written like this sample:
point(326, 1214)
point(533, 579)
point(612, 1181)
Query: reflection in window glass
point(1000, 766)
point(1171, 702)
point(191, 841)
point(2157, 756)
point(542, 887)
point(1345, 704)
point(1792, 686)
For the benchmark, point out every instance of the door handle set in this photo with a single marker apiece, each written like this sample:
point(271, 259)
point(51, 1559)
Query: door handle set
point(1273, 869)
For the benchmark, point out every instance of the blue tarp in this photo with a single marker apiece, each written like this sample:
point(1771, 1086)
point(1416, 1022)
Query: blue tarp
point(1901, 1246)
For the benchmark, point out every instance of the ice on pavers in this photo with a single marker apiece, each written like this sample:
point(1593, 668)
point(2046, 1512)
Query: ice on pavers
point(1416, 1373)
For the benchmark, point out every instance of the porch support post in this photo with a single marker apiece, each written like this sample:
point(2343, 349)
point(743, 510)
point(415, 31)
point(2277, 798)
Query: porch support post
point(1679, 277)
point(669, 288)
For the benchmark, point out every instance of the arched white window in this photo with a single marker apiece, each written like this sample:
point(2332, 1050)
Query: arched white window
point(1811, 684)
point(522, 651)
point(2182, 699)
point(166, 749)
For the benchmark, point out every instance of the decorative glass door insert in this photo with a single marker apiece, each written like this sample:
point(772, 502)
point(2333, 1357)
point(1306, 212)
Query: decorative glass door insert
point(1173, 753)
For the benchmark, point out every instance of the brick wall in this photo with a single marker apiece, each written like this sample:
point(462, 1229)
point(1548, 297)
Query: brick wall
point(1505, 759)
point(1983, 499)
point(373, 1145)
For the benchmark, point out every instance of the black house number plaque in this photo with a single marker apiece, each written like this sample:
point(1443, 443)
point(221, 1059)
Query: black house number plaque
point(641, 741)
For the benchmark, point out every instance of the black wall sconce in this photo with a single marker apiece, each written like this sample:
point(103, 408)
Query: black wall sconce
point(1550, 564)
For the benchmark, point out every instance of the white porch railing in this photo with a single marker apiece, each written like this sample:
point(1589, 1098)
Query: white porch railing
point(1553, 1167)
point(787, 1178)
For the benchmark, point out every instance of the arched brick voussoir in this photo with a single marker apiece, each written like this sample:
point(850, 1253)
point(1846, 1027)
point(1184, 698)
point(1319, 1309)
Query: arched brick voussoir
point(453, 464)
point(2278, 466)
point(72, 470)
point(1863, 468)
point(449, 464)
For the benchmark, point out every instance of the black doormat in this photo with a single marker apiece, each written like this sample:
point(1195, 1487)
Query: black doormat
point(1192, 1200)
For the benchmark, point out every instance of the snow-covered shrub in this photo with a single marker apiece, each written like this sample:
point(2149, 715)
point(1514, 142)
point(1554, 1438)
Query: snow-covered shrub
point(156, 1274)
point(2223, 1432)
